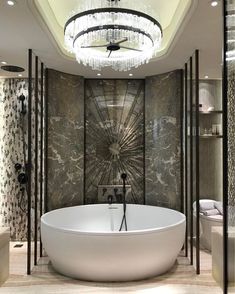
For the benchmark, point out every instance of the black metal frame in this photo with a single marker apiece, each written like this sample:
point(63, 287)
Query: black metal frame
point(197, 188)
point(113, 10)
point(40, 154)
point(29, 163)
point(46, 144)
point(41, 148)
point(182, 139)
point(112, 27)
point(191, 160)
point(186, 155)
point(225, 154)
point(36, 163)
point(84, 147)
point(144, 140)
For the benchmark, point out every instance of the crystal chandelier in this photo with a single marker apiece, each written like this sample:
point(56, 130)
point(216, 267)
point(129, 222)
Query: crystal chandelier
point(111, 33)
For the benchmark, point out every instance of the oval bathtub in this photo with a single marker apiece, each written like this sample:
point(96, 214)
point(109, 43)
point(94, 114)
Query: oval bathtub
point(84, 242)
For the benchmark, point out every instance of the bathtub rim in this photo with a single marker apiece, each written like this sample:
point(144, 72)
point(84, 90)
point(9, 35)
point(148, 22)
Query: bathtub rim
point(113, 233)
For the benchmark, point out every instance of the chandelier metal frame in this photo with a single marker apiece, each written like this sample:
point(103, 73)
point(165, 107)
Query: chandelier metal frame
point(82, 37)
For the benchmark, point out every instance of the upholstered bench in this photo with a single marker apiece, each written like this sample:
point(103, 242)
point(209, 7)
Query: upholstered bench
point(4, 254)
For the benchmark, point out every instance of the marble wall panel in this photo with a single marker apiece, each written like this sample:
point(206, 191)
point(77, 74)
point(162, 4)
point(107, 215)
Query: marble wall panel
point(162, 140)
point(65, 139)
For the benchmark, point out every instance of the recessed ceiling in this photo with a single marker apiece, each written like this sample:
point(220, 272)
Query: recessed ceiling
point(171, 14)
point(22, 27)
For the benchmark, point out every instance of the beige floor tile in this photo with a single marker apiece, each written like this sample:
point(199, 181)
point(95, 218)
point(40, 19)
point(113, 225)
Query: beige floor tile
point(44, 280)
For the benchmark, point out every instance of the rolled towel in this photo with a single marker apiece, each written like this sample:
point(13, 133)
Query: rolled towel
point(206, 205)
point(219, 206)
point(211, 212)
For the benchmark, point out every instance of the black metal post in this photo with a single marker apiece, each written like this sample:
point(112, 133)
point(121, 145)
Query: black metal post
point(186, 155)
point(191, 160)
point(41, 147)
point(144, 141)
point(84, 146)
point(29, 163)
point(182, 140)
point(225, 153)
point(46, 145)
point(36, 164)
point(197, 163)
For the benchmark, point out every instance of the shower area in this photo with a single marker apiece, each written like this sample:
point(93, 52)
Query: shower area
point(22, 157)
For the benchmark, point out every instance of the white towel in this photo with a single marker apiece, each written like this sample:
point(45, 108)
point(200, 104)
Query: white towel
point(204, 205)
point(211, 212)
point(219, 206)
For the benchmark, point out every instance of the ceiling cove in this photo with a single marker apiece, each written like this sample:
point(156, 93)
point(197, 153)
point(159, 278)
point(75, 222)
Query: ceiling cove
point(172, 15)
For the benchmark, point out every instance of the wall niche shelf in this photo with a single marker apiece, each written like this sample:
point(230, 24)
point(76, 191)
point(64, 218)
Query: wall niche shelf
point(211, 136)
point(212, 112)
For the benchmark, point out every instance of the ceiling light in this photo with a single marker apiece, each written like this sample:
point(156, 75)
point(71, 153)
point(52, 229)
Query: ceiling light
point(99, 74)
point(12, 68)
point(214, 3)
point(11, 2)
point(130, 74)
point(19, 75)
point(3, 62)
point(112, 33)
point(206, 77)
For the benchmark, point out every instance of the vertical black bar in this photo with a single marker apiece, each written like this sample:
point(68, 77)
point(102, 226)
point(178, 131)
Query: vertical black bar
point(186, 154)
point(41, 148)
point(197, 190)
point(144, 170)
point(46, 145)
point(225, 153)
point(182, 140)
point(36, 164)
point(84, 162)
point(191, 160)
point(29, 164)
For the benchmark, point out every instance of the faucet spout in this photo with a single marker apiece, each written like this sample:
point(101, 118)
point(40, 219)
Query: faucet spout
point(110, 199)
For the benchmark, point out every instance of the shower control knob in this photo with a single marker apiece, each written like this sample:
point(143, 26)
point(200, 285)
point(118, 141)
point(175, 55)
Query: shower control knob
point(18, 166)
point(22, 178)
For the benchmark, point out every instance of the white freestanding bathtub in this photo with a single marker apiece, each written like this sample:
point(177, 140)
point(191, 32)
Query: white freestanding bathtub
point(84, 242)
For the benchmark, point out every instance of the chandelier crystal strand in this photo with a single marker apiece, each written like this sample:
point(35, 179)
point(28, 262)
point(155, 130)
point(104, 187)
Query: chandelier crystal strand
point(110, 33)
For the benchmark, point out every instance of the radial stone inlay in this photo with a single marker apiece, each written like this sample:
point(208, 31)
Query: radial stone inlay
point(114, 136)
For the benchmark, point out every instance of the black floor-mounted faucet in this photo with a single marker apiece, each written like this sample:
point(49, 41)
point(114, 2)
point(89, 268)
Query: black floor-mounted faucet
point(123, 177)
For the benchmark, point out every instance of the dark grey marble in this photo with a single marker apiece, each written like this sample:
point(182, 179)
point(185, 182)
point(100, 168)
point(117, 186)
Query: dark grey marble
point(114, 137)
point(162, 140)
point(65, 139)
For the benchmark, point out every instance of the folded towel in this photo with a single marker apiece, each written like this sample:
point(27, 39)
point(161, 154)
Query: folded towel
point(219, 206)
point(211, 212)
point(206, 205)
